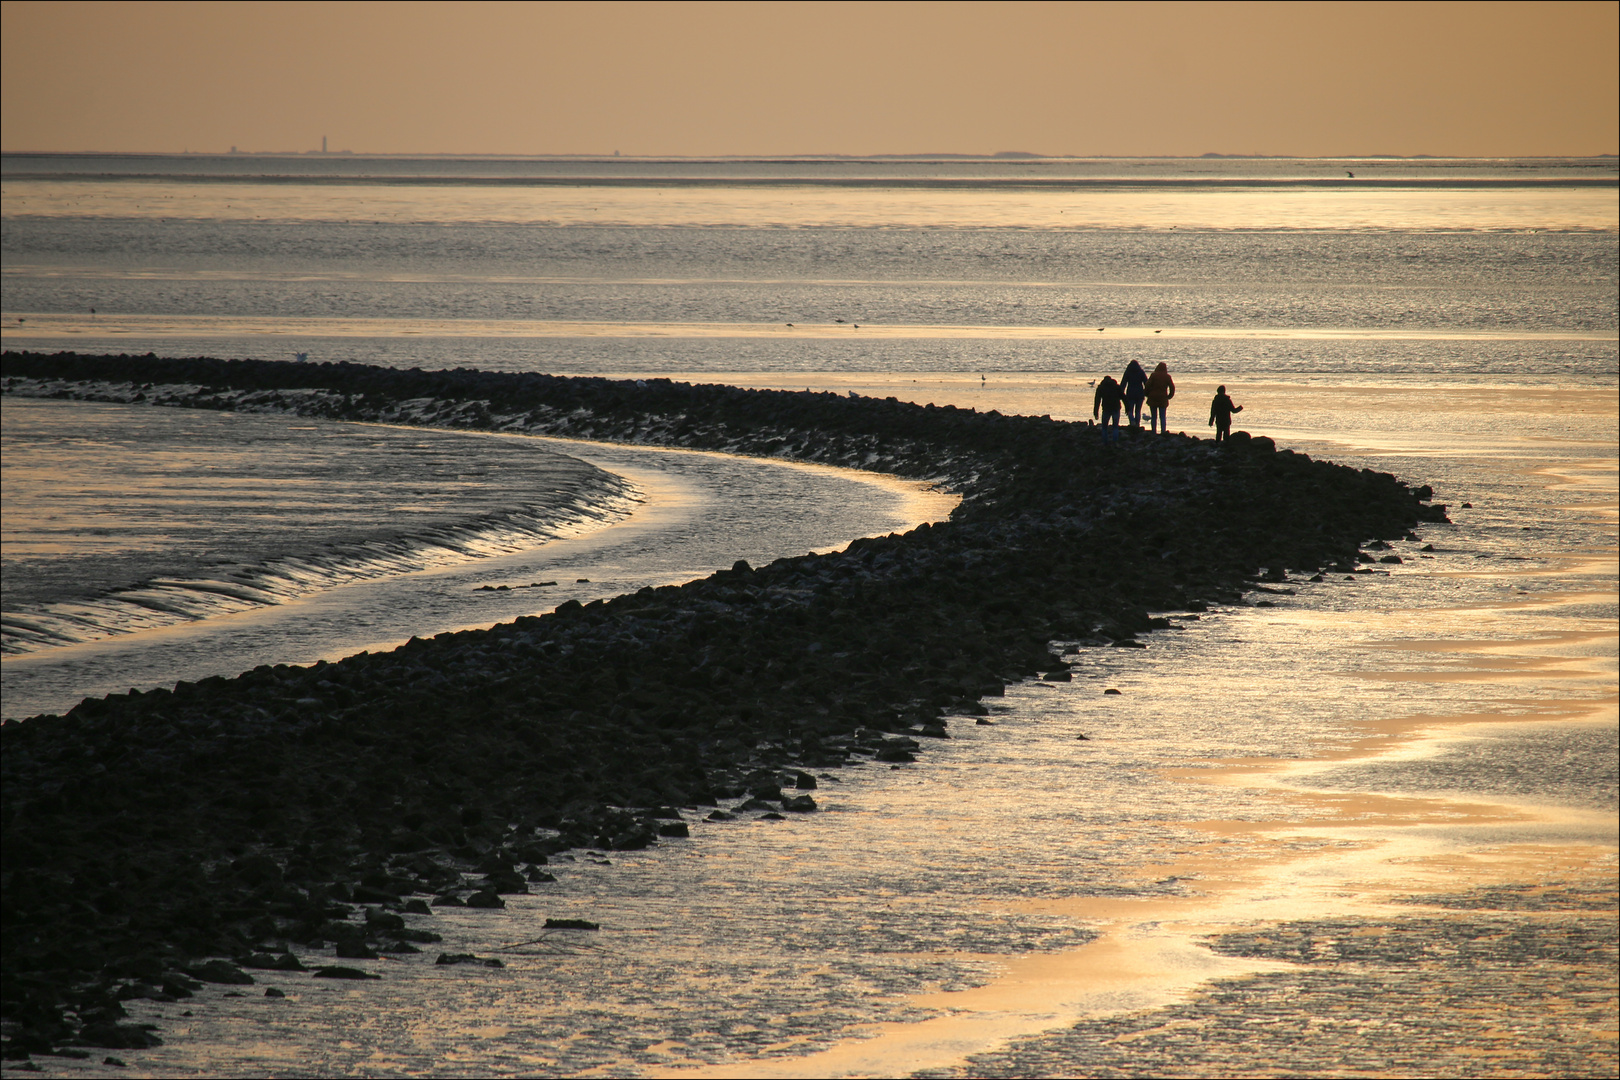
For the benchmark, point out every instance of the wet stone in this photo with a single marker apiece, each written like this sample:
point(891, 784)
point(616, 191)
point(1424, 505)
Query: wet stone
point(218, 971)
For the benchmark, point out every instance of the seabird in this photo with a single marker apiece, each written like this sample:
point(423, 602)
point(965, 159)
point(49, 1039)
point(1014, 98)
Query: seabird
point(1350, 174)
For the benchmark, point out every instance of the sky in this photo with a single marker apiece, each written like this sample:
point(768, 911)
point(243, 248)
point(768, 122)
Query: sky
point(699, 79)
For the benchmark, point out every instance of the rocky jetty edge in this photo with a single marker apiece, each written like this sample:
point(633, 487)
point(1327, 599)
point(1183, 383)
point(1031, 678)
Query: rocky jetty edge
point(153, 842)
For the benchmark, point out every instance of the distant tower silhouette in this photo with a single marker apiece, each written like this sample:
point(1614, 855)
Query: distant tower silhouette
point(323, 144)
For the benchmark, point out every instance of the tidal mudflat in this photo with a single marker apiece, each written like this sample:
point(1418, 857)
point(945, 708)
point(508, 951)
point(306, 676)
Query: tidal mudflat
point(738, 689)
point(1452, 324)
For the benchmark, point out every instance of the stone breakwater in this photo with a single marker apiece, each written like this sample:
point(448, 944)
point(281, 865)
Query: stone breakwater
point(155, 841)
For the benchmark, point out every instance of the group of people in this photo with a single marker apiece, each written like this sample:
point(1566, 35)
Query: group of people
point(1136, 388)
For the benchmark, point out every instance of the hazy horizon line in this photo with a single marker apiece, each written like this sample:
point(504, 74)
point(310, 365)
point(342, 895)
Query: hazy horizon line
point(1010, 156)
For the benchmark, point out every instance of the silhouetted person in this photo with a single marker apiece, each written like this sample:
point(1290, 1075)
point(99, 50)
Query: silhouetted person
point(1134, 385)
point(1160, 389)
point(1220, 413)
point(1105, 403)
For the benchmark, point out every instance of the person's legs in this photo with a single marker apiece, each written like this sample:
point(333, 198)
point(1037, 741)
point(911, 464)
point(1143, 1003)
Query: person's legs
point(1110, 417)
point(1221, 430)
point(1133, 410)
point(1156, 419)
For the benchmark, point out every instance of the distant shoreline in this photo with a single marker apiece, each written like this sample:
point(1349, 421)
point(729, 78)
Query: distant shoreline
point(1011, 157)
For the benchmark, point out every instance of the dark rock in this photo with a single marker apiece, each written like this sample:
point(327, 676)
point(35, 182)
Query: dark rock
point(354, 950)
point(1391, 559)
point(674, 829)
point(218, 971)
point(894, 753)
point(383, 920)
point(418, 907)
point(258, 870)
point(510, 882)
point(448, 900)
point(272, 992)
point(1111, 690)
point(339, 972)
point(571, 924)
point(799, 804)
point(485, 899)
point(804, 781)
point(446, 959)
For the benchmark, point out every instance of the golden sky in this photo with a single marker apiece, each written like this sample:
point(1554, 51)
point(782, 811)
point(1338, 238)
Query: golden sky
point(1326, 79)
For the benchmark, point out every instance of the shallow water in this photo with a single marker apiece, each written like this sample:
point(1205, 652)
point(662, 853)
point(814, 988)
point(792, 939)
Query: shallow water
point(1447, 725)
point(121, 518)
point(1367, 828)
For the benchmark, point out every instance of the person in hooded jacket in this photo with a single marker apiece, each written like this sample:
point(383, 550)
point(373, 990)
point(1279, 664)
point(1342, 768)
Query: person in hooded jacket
point(1160, 389)
point(1105, 404)
point(1220, 414)
point(1134, 385)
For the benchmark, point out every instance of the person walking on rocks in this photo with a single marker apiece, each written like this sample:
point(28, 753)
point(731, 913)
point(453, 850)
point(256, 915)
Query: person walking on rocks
point(1220, 413)
point(1160, 389)
point(1105, 404)
point(1134, 385)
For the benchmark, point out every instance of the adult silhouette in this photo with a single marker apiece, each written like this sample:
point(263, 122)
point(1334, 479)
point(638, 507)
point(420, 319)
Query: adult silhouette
point(1134, 386)
point(1160, 389)
point(1105, 405)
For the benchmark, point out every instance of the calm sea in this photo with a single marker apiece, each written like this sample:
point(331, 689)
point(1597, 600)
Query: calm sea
point(1304, 768)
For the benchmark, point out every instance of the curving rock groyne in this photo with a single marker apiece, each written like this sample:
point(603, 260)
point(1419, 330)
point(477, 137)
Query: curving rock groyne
point(149, 836)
